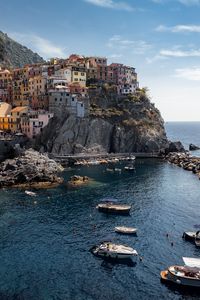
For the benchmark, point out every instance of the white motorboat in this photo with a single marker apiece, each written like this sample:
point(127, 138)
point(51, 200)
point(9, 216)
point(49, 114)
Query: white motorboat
point(193, 237)
point(197, 239)
point(189, 235)
point(125, 230)
point(30, 193)
point(110, 170)
point(114, 208)
point(129, 168)
point(187, 275)
point(111, 250)
point(118, 170)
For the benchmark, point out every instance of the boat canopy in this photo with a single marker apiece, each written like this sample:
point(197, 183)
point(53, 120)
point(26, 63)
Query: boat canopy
point(192, 262)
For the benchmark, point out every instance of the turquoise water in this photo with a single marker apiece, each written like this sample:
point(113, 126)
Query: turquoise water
point(45, 241)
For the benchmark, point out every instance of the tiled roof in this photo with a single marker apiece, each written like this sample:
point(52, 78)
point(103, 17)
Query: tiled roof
point(19, 108)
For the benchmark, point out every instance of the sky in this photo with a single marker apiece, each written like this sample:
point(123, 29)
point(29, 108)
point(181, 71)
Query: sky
point(160, 38)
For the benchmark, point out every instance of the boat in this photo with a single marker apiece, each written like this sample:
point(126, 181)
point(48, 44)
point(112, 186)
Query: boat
point(189, 235)
point(111, 250)
point(129, 168)
point(118, 170)
point(197, 239)
point(109, 170)
point(187, 275)
point(93, 162)
point(193, 237)
point(110, 207)
point(132, 158)
point(125, 230)
point(30, 193)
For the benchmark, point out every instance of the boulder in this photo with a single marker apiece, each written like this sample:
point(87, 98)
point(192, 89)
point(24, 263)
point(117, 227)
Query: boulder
point(30, 168)
point(193, 147)
point(175, 147)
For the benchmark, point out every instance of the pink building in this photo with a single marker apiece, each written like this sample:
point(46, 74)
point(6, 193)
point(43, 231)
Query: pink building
point(124, 77)
point(33, 124)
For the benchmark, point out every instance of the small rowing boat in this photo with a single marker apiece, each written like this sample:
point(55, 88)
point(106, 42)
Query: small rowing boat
point(30, 193)
point(114, 208)
point(125, 230)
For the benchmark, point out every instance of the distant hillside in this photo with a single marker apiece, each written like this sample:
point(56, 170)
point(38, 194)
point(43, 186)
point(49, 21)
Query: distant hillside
point(13, 54)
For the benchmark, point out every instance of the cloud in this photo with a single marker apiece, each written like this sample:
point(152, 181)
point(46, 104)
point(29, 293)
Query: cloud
point(115, 56)
point(111, 4)
point(155, 58)
point(38, 44)
point(184, 2)
point(188, 73)
point(180, 53)
point(179, 28)
point(136, 46)
point(190, 2)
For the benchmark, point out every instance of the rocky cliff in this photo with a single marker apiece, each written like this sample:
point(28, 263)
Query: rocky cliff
point(13, 54)
point(115, 124)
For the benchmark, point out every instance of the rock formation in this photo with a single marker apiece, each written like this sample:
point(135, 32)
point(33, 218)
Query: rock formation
point(185, 161)
point(13, 54)
point(76, 181)
point(193, 147)
point(120, 125)
point(31, 169)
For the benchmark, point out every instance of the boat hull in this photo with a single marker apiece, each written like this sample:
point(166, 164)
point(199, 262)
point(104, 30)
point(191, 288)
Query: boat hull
point(109, 210)
point(126, 231)
point(189, 236)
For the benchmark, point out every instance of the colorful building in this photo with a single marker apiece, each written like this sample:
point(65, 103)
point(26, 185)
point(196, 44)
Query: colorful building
point(33, 123)
point(79, 75)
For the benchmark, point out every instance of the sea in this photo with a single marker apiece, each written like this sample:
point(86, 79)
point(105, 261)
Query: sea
point(45, 240)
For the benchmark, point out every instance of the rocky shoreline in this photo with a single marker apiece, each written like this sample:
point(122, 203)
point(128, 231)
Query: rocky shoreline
point(185, 161)
point(30, 170)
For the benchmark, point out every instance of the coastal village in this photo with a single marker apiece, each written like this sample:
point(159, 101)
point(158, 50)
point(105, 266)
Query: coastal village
point(32, 95)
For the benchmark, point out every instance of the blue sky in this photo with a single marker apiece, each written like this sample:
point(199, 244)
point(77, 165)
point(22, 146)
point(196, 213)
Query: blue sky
point(160, 38)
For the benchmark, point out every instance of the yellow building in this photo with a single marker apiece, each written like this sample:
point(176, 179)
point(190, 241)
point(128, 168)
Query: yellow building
point(37, 85)
point(79, 75)
point(5, 78)
point(13, 121)
point(20, 86)
point(9, 124)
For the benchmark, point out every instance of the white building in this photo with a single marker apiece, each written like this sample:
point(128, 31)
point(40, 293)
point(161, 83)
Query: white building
point(64, 73)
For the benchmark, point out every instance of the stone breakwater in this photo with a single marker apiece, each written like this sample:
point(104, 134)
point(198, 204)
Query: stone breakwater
point(185, 161)
point(30, 169)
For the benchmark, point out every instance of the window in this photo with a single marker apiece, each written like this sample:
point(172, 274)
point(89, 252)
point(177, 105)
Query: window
point(60, 99)
point(75, 73)
point(55, 99)
point(82, 74)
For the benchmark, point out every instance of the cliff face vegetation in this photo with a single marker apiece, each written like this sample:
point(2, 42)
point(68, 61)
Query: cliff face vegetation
point(13, 54)
point(115, 124)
